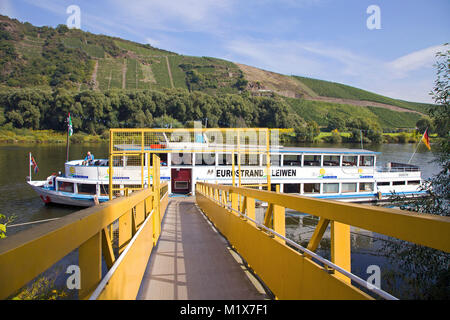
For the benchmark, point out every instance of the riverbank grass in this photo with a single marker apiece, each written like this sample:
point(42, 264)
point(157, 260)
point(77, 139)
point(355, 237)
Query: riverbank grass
point(14, 135)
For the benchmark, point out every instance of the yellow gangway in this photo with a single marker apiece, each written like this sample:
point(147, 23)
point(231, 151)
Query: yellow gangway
point(291, 271)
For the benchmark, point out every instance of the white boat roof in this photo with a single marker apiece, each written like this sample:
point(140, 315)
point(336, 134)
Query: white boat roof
point(323, 150)
point(203, 147)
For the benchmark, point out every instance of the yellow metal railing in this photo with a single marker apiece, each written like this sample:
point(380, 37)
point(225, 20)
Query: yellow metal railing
point(26, 255)
point(293, 275)
point(136, 145)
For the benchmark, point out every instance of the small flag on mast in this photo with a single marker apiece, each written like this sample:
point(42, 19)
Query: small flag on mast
point(34, 165)
point(69, 125)
point(426, 140)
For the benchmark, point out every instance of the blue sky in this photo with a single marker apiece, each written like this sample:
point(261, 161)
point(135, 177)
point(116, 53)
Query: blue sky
point(324, 39)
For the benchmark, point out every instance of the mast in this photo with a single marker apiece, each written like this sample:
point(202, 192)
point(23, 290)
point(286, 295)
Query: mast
point(67, 142)
point(29, 163)
point(417, 147)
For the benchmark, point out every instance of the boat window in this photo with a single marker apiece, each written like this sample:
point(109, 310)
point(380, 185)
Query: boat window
point(330, 187)
point(366, 161)
point(414, 182)
point(101, 163)
point(349, 161)
point(312, 160)
point(383, 183)
point(331, 161)
point(87, 188)
point(366, 186)
point(348, 187)
point(275, 159)
point(292, 160)
point(162, 159)
point(65, 186)
point(251, 159)
point(311, 188)
point(224, 159)
point(181, 159)
point(205, 159)
point(104, 189)
point(291, 188)
point(399, 183)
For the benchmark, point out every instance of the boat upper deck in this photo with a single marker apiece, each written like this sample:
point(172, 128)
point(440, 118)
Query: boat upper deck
point(208, 147)
point(322, 150)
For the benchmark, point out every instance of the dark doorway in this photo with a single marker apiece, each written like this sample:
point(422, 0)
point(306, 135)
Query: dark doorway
point(181, 180)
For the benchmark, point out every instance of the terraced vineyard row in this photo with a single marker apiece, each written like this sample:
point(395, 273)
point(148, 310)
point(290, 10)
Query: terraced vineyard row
point(109, 74)
point(318, 111)
point(140, 49)
point(339, 90)
point(91, 49)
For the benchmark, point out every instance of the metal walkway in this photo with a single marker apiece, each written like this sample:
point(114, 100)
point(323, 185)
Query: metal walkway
point(193, 261)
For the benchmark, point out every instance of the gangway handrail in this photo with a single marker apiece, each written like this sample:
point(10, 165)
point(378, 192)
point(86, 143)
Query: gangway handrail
point(25, 255)
point(421, 228)
point(231, 220)
point(326, 262)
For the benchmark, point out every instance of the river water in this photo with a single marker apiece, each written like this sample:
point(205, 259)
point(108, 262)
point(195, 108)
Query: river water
point(17, 199)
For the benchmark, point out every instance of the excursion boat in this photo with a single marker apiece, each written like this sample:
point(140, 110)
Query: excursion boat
point(350, 175)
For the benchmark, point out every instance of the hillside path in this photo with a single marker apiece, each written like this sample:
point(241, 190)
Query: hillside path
point(124, 73)
point(94, 76)
point(170, 72)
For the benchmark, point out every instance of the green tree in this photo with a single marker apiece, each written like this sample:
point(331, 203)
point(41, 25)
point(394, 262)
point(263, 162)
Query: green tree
point(166, 122)
point(241, 83)
point(4, 221)
point(368, 128)
point(440, 113)
point(307, 132)
point(335, 121)
point(429, 269)
point(334, 138)
point(15, 118)
point(2, 117)
point(423, 124)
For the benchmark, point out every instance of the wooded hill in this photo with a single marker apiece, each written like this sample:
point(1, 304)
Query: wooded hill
point(40, 66)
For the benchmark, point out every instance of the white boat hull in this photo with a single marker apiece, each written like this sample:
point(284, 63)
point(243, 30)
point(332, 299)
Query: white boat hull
point(52, 196)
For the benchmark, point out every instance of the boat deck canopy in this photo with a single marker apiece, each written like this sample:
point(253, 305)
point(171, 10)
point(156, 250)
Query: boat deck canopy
point(323, 150)
point(201, 147)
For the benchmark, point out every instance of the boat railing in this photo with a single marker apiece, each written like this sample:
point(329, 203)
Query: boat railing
point(95, 163)
point(398, 167)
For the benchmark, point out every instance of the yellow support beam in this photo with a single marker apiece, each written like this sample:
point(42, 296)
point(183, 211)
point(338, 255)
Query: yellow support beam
point(90, 263)
point(248, 206)
point(319, 231)
point(125, 230)
point(107, 250)
point(268, 216)
point(340, 248)
point(279, 218)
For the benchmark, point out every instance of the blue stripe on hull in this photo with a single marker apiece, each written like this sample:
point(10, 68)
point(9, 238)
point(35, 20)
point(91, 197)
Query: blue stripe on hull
point(347, 196)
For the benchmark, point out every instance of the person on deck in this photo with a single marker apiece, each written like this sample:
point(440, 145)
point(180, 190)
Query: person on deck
point(89, 160)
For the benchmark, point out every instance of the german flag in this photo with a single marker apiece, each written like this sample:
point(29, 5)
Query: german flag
point(426, 140)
